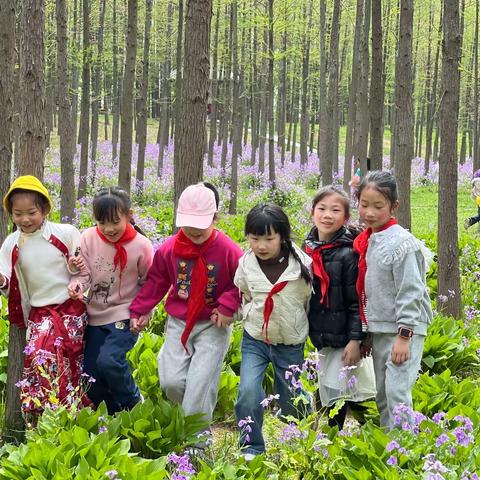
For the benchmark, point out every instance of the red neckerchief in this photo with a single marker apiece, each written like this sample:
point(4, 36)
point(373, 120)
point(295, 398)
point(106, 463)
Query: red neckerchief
point(268, 307)
point(360, 245)
point(319, 269)
point(185, 248)
point(121, 256)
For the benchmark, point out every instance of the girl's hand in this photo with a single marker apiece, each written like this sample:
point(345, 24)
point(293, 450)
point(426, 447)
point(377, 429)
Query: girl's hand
point(2, 280)
point(76, 264)
point(138, 324)
point(351, 353)
point(219, 319)
point(366, 347)
point(400, 350)
point(75, 290)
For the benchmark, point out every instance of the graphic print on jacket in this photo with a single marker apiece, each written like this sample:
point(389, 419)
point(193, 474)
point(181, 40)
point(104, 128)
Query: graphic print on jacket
point(103, 288)
point(184, 280)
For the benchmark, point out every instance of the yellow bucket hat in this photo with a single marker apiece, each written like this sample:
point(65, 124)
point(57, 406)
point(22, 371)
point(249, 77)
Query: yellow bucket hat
point(27, 182)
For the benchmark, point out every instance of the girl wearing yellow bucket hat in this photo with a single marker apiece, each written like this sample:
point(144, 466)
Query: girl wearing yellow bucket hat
point(34, 275)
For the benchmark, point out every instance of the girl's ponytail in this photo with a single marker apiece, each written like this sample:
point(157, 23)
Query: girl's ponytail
point(303, 269)
point(136, 227)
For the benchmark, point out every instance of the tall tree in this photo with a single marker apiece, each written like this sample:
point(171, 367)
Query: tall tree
point(237, 111)
point(377, 91)
point(352, 105)
point(332, 99)
point(65, 130)
point(448, 269)
point(116, 83)
point(7, 65)
point(404, 111)
point(142, 100)
point(96, 90)
point(362, 116)
point(32, 88)
point(128, 88)
point(304, 117)
point(84, 132)
point(165, 110)
point(190, 141)
point(271, 125)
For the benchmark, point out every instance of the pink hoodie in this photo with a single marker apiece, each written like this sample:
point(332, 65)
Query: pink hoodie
point(172, 274)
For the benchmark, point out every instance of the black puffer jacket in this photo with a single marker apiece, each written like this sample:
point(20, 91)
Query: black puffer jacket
point(336, 325)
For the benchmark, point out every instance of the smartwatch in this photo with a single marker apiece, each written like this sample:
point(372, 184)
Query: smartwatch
point(405, 332)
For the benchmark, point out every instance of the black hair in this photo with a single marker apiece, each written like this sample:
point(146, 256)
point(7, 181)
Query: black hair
point(383, 182)
point(212, 187)
point(40, 201)
point(333, 190)
point(268, 218)
point(109, 202)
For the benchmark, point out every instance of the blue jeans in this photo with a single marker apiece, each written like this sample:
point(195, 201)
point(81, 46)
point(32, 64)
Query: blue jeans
point(106, 347)
point(256, 356)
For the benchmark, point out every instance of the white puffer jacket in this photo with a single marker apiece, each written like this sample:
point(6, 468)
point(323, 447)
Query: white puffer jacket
point(288, 323)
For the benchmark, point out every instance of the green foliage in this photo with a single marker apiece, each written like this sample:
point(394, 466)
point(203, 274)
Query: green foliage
point(155, 429)
point(439, 393)
point(451, 345)
point(67, 447)
point(143, 360)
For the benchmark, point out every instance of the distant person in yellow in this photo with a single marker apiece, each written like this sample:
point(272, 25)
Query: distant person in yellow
point(476, 197)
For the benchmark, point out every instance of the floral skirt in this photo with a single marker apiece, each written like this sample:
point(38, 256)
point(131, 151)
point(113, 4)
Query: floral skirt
point(53, 359)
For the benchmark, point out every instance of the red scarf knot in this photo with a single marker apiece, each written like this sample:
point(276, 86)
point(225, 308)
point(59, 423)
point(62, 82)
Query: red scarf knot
point(121, 256)
point(319, 269)
point(268, 307)
point(360, 245)
point(185, 248)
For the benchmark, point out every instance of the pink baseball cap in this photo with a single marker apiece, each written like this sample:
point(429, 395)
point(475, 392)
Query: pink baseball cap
point(196, 207)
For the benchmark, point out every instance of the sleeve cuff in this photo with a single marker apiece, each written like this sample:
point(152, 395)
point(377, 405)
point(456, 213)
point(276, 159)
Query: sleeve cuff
point(225, 311)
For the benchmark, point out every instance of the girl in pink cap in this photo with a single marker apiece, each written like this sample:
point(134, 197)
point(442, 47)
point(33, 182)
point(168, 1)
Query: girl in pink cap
point(195, 269)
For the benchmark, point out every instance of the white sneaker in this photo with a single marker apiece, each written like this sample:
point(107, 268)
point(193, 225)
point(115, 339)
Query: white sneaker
point(248, 456)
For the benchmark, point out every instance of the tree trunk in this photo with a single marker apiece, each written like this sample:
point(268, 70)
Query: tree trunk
point(192, 128)
point(142, 101)
point(237, 112)
point(166, 98)
point(85, 104)
point(404, 112)
point(332, 93)
point(67, 136)
point(448, 264)
point(322, 94)
point(14, 425)
point(32, 88)
point(304, 117)
point(128, 93)
point(7, 67)
point(476, 156)
point(115, 81)
point(271, 125)
point(352, 105)
point(432, 102)
point(362, 116)
point(214, 100)
point(96, 87)
point(282, 97)
point(75, 47)
point(178, 81)
point(377, 92)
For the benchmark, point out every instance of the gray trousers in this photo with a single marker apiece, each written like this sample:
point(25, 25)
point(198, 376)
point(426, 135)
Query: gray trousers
point(192, 380)
point(394, 382)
